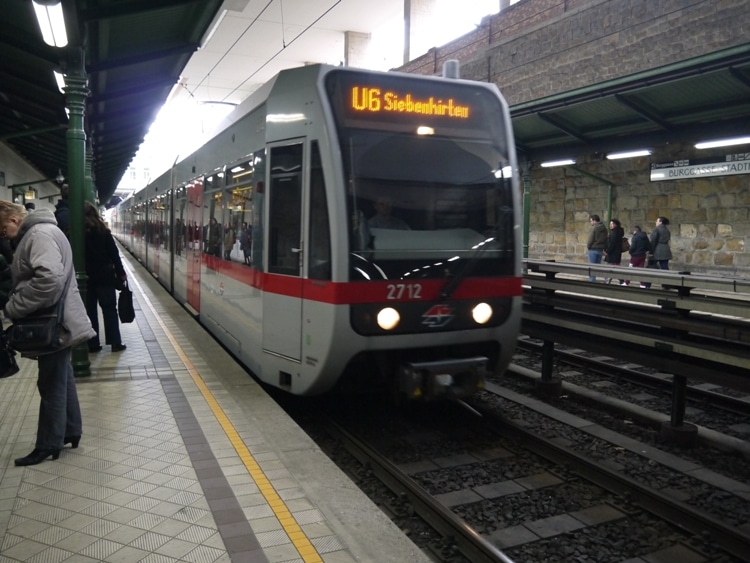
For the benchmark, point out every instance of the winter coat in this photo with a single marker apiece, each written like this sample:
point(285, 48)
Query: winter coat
point(639, 245)
point(41, 268)
point(597, 237)
point(660, 243)
point(103, 260)
point(62, 216)
point(614, 246)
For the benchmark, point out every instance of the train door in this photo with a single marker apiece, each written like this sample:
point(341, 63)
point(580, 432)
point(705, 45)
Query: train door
point(194, 249)
point(282, 300)
point(179, 244)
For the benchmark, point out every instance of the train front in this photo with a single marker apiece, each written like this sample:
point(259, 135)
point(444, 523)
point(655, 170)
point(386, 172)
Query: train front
point(433, 205)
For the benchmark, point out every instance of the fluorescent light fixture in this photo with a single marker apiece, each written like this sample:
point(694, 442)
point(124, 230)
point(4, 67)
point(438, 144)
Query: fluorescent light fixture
point(51, 22)
point(60, 79)
point(723, 143)
point(628, 154)
point(504, 172)
point(551, 163)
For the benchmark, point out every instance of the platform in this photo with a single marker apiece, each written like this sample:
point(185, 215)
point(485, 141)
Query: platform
point(183, 458)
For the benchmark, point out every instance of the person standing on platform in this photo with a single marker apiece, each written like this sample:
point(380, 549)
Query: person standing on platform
point(639, 247)
point(597, 242)
point(62, 211)
point(104, 269)
point(613, 252)
point(229, 240)
point(213, 237)
point(660, 243)
point(43, 273)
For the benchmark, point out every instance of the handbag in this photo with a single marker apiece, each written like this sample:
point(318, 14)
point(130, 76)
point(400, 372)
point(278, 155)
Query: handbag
point(625, 244)
point(40, 332)
point(8, 364)
point(125, 305)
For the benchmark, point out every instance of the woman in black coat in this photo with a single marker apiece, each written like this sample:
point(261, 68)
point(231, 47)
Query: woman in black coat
point(613, 252)
point(103, 268)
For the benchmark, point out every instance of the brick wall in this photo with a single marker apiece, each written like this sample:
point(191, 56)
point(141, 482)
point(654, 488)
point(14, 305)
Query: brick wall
point(537, 48)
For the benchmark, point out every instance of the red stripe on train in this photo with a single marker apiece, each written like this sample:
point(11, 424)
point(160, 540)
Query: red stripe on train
point(364, 292)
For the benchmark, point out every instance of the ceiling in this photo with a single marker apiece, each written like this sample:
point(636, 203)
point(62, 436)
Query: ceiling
point(137, 50)
point(697, 99)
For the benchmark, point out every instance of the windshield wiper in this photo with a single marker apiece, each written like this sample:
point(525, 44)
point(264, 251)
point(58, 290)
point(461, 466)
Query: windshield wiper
point(450, 287)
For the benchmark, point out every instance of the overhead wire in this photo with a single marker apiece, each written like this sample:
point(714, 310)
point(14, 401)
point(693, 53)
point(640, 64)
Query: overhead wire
point(277, 53)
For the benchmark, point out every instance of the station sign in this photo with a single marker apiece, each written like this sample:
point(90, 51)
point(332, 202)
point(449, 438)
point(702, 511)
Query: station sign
point(701, 168)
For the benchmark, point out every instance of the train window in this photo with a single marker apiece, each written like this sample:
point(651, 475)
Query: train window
point(284, 201)
point(212, 229)
point(240, 173)
point(426, 207)
point(319, 254)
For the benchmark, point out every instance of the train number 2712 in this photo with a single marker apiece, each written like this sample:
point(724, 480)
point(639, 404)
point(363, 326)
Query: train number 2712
point(398, 291)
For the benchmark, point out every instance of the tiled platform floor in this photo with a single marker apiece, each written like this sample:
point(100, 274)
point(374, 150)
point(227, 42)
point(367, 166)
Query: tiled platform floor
point(183, 458)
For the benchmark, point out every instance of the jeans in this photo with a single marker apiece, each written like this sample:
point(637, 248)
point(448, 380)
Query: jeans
point(59, 412)
point(595, 257)
point(106, 297)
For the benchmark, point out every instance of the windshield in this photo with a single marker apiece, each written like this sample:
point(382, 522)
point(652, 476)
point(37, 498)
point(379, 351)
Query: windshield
point(426, 207)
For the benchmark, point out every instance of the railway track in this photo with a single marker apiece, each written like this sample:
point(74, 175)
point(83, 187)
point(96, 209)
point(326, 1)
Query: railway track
point(544, 486)
point(618, 370)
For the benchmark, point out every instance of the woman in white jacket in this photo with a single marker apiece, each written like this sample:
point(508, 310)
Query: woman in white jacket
point(43, 273)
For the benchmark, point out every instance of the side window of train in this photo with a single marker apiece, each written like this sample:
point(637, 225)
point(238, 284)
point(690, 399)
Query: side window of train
point(238, 211)
point(284, 202)
point(319, 247)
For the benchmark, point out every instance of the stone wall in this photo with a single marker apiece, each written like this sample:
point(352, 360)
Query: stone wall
point(709, 217)
point(537, 48)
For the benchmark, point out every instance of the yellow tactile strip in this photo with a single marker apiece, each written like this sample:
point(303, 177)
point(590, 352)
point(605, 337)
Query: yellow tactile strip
point(299, 539)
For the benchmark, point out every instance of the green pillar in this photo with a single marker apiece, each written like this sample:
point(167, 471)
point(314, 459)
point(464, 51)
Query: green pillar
point(89, 180)
point(76, 91)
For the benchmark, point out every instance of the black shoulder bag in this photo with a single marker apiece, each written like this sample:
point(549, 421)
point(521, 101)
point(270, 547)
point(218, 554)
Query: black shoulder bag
point(41, 332)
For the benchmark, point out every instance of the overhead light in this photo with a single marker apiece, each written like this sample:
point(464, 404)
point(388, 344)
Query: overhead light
point(60, 79)
point(49, 13)
point(723, 143)
point(425, 130)
point(551, 163)
point(30, 194)
point(628, 154)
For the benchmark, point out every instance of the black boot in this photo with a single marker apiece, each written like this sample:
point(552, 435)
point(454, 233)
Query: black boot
point(72, 440)
point(38, 456)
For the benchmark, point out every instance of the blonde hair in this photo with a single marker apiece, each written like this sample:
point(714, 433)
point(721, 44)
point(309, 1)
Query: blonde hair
point(9, 209)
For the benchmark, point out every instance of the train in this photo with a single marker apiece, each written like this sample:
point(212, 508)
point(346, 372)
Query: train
point(347, 230)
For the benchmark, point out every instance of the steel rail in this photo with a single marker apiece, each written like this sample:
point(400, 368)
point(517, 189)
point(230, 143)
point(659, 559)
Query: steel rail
point(726, 402)
point(682, 515)
point(471, 544)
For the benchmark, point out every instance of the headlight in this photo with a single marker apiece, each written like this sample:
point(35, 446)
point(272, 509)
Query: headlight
point(388, 318)
point(481, 313)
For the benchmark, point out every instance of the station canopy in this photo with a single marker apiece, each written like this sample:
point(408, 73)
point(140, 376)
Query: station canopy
point(135, 51)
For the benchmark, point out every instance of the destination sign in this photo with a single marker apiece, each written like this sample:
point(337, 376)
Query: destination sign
point(395, 102)
point(376, 100)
